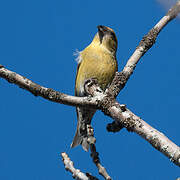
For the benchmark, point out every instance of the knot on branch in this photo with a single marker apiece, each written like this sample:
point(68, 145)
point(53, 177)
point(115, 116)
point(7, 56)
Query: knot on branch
point(115, 126)
point(117, 84)
point(47, 93)
point(51, 94)
point(148, 40)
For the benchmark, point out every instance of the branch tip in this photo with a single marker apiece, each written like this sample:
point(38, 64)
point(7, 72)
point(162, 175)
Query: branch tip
point(174, 11)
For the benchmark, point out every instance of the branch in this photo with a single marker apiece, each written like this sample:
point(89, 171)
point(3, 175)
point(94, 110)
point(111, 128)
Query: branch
point(107, 104)
point(96, 160)
point(106, 101)
point(145, 44)
point(76, 173)
point(157, 139)
point(95, 157)
point(95, 154)
point(44, 92)
point(133, 123)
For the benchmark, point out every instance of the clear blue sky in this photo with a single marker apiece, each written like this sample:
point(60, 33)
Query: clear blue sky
point(37, 40)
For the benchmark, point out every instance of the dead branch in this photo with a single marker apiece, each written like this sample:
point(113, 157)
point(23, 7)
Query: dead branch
point(95, 154)
point(106, 102)
point(145, 44)
point(76, 173)
point(46, 93)
point(133, 123)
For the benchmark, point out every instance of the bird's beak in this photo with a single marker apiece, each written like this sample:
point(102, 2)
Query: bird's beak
point(101, 31)
point(100, 28)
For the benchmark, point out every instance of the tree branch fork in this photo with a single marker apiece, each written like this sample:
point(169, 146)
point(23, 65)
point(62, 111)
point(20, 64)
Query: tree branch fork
point(106, 101)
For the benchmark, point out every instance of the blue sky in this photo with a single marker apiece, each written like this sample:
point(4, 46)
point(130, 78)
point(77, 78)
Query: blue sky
point(37, 40)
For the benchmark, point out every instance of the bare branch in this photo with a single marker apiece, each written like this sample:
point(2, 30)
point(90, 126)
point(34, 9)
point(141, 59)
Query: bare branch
point(96, 160)
point(106, 101)
point(148, 40)
point(44, 92)
point(69, 166)
point(108, 105)
point(145, 44)
point(95, 154)
point(133, 123)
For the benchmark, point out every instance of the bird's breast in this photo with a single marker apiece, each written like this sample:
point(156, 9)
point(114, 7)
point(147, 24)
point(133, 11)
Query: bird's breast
point(98, 64)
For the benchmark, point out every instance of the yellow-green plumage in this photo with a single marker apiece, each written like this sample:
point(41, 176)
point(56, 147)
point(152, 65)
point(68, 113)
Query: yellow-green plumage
point(97, 61)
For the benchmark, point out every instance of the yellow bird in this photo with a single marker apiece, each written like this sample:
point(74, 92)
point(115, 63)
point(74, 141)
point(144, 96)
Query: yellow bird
point(97, 61)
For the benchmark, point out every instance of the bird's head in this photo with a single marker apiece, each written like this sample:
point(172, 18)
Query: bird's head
point(107, 38)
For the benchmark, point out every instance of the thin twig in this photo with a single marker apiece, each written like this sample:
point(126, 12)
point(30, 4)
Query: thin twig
point(96, 160)
point(76, 173)
point(95, 154)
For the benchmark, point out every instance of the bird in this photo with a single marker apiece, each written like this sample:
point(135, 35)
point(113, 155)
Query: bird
point(97, 61)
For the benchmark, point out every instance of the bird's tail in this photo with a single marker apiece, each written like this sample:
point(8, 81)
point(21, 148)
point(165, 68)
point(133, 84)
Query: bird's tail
point(84, 117)
point(79, 139)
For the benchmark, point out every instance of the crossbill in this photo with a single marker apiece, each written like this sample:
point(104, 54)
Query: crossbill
point(96, 61)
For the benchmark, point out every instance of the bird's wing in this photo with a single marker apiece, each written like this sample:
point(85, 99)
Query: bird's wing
point(84, 116)
point(76, 77)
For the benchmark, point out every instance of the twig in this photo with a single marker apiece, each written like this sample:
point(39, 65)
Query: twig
point(96, 160)
point(76, 173)
point(95, 154)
